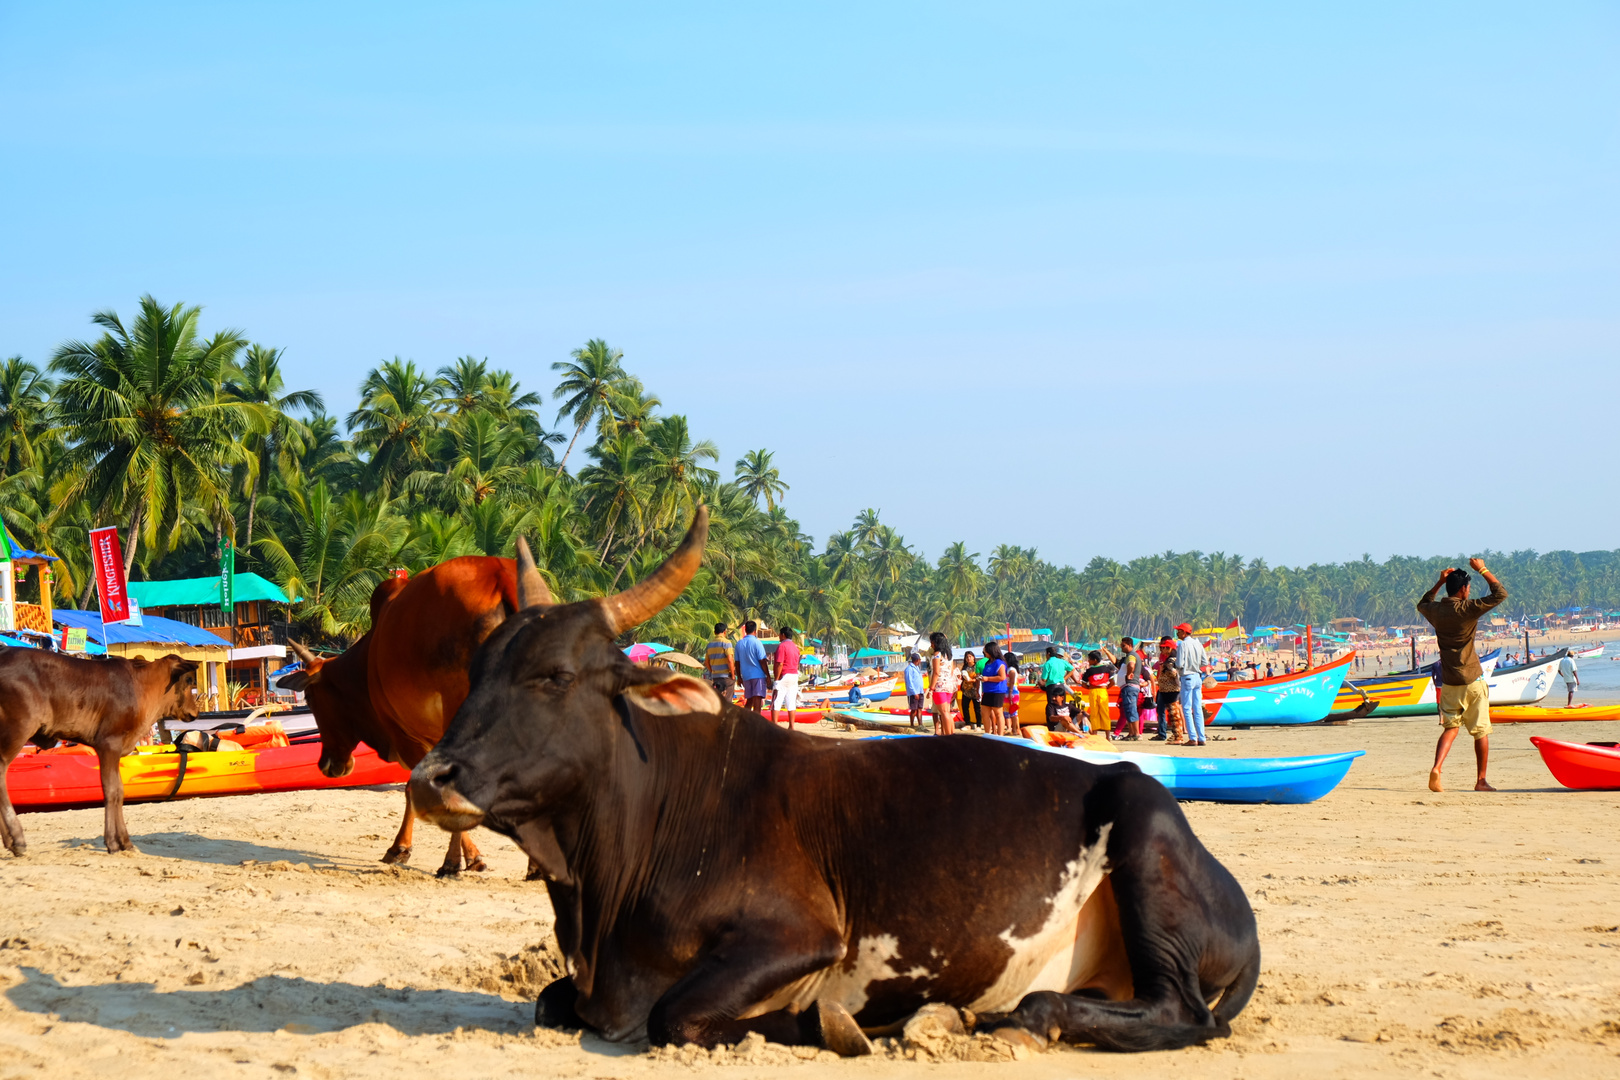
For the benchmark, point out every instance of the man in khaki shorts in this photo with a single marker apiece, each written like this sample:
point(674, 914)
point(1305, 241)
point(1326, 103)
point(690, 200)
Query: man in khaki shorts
point(1465, 699)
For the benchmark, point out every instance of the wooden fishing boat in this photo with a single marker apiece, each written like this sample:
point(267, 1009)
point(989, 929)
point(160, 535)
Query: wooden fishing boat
point(1588, 652)
point(1385, 693)
point(1300, 697)
point(1525, 684)
point(55, 780)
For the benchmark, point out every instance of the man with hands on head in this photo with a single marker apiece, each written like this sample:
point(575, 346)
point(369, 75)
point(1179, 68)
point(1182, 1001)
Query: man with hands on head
point(1464, 695)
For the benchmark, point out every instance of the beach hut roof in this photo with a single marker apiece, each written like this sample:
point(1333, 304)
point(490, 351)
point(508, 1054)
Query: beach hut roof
point(204, 591)
point(156, 629)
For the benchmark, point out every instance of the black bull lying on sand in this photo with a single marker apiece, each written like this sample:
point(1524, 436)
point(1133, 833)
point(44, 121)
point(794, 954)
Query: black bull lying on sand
point(715, 875)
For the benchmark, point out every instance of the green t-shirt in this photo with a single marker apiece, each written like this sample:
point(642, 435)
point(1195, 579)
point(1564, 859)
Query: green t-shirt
point(1054, 670)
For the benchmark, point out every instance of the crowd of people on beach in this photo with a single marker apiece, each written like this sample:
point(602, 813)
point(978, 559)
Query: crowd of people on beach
point(1162, 691)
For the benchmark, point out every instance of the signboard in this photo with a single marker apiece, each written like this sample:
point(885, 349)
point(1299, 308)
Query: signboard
point(107, 563)
point(74, 638)
point(134, 613)
point(227, 576)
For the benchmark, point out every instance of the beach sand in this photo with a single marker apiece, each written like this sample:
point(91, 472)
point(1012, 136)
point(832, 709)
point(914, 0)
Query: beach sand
point(1404, 933)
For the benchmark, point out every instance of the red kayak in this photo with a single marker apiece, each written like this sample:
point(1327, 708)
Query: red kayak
point(1588, 766)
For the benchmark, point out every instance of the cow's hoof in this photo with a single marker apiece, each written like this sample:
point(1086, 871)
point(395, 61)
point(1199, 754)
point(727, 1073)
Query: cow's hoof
point(396, 854)
point(1015, 1036)
point(478, 865)
point(447, 871)
point(839, 1032)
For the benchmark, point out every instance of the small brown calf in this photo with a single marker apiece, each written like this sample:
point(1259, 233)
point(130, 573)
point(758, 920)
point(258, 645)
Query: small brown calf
point(105, 704)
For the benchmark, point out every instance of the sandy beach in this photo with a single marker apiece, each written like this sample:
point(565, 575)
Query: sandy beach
point(1457, 935)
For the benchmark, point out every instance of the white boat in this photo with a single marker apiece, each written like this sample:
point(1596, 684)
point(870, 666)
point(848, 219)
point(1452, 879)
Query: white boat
point(838, 692)
point(1582, 629)
point(1525, 684)
point(1588, 652)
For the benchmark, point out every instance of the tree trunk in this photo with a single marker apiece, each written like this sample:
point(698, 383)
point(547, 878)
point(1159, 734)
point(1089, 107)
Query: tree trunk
point(570, 449)
point(134, 540)
point(253, 502)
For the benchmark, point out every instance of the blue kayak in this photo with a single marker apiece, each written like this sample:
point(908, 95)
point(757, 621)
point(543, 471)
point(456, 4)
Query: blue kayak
point(1206, 779)
point(1236, 780)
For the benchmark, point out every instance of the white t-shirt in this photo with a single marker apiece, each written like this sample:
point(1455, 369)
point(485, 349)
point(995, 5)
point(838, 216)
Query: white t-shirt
point(1566, 668)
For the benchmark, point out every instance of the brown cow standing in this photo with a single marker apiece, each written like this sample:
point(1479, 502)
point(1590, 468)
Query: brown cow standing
point(398, 687)
point(106, 704)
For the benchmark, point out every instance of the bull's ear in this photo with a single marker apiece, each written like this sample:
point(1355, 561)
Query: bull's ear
point(675, 695)
point(295, 681)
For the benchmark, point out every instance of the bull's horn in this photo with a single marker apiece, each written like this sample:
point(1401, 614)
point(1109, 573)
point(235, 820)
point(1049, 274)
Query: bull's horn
point(647, 598)
point(532, 590)
point(305, 657)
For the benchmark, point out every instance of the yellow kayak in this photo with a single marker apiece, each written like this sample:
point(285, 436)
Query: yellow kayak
point(1536, 714)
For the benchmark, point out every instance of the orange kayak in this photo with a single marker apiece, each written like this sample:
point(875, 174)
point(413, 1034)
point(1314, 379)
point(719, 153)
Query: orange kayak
point(1535, 714)
point(53, 780)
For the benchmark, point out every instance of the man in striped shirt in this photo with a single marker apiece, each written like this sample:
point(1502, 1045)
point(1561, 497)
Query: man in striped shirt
point(720, 660)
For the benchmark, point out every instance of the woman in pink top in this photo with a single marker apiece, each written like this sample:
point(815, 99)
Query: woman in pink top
point(942, 681)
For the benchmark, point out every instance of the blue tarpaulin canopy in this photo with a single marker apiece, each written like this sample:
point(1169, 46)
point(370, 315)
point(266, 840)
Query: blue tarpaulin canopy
point(156, 629)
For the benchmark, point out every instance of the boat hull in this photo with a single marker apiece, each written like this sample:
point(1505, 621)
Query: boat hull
point(1581, 766)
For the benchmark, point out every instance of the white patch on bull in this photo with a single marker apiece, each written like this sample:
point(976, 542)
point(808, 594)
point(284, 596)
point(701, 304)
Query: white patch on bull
point(1054, 956)
point(849, 985)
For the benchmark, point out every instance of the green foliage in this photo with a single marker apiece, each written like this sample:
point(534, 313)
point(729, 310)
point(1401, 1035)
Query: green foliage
point(187, 440)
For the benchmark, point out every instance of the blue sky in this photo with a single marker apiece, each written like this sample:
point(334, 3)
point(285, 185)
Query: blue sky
point(1264, 279)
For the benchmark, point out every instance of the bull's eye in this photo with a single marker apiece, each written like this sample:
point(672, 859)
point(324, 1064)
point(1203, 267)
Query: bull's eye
point(553, 681)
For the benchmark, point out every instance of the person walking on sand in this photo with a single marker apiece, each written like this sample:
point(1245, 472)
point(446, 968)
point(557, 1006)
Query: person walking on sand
point(915, 689)
point(1465, 698)
point(1192, 660)
point(720, 661)
point(786, 663)
point(751, 662)
point(1571, 676)
point(942, 679)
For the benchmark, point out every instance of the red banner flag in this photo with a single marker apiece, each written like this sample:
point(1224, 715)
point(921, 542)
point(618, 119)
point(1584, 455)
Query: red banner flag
point(107, 563)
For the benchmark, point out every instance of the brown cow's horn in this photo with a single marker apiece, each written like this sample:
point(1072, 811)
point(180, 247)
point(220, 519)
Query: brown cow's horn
point(647, 598)
point(532, 590)
point(305, 657)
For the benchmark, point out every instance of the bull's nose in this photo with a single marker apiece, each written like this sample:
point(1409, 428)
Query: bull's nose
point(434, 795)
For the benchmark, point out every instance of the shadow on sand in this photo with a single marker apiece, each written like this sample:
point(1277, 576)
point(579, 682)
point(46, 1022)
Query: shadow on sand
point(194, 847)
point(273, 1002)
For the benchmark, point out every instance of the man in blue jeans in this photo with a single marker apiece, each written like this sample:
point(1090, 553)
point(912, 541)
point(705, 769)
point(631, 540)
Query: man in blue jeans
point(1192, 660)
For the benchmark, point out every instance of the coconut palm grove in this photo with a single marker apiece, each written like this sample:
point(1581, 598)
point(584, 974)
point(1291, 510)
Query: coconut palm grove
point(187, 441)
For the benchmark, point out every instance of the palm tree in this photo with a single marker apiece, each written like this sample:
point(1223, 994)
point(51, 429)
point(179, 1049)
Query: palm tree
point(758, 477)
point(473, 457)
point(332, 551)
point(398, 414)
point(587, 384)
point(24, 406)
point(150, 430)
point(259, 382)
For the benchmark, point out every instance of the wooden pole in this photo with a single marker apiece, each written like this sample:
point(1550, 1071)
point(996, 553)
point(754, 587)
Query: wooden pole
point(1414, 652)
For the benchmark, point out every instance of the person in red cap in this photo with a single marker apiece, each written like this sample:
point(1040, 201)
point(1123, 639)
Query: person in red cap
point(1193, 662)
